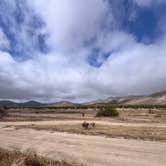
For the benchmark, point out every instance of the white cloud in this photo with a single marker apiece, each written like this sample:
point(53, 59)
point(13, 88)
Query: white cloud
point(71, 23)
point(139, 69)
point(65, 74)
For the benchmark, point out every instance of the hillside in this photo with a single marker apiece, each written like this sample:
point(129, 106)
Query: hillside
point(158, 98)
point(62, 104)
point(25, 104)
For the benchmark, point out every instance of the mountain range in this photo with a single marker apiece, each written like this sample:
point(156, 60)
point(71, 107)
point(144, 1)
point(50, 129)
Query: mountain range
point(158, 98)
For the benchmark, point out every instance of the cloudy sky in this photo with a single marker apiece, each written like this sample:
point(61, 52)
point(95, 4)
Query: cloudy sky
point(80, 50)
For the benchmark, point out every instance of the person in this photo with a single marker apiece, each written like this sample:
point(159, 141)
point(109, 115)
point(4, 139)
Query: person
point(83, 114)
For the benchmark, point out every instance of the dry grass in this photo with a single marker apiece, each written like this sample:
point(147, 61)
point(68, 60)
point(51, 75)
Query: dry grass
point(16, 158)
point(22, 117)
point(126, 115)
point(128, 132)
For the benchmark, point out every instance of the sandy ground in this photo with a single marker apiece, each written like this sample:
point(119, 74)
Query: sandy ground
point(74, 122)
point(88, 150)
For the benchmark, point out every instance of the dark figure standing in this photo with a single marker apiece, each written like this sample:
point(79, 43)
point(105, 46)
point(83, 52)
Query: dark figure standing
point(83, 114)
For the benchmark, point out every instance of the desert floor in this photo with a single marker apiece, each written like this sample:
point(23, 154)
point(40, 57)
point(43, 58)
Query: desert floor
point(134, 139)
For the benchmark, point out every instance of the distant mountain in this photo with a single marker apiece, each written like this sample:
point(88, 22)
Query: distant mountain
point(158, 98)
point(62, 104)
point(36, 104)
point(31, 104)
point(159, 94)
point(25, 104)
point(7, 103)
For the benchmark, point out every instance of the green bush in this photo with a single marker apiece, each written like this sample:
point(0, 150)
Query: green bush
point(107, 112)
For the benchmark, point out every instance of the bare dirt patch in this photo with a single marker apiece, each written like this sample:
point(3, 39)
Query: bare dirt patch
point(85, 149)
point(127, 132)
point(58, 134)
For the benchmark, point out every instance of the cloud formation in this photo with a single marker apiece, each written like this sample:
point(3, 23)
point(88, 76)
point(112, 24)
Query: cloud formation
point(77, 51)
point(5, 44)
point(149, 2)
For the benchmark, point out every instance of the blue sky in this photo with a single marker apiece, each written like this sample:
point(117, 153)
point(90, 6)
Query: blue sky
point(77, 51)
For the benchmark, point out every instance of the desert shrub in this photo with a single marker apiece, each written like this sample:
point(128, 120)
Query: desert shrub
point(3, 112)
point(107, 111)
point(16, 158)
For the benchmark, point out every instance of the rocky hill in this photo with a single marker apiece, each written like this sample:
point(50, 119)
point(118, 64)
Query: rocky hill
point(158, 98)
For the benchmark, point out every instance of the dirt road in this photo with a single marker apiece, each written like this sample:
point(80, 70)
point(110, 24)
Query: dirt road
point(88, 150)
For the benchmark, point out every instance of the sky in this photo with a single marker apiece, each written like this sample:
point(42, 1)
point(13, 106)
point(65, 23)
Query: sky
point(81, 50)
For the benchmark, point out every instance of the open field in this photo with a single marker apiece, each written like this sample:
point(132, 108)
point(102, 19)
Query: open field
point(83, 149)
point(126, 115)
point(136, 137)
point(114, 131)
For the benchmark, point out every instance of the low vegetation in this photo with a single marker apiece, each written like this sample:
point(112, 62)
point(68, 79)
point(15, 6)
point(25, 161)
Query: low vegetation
point(96, 106)
point(16, 158)
point(107, 111)
point(3, 112)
